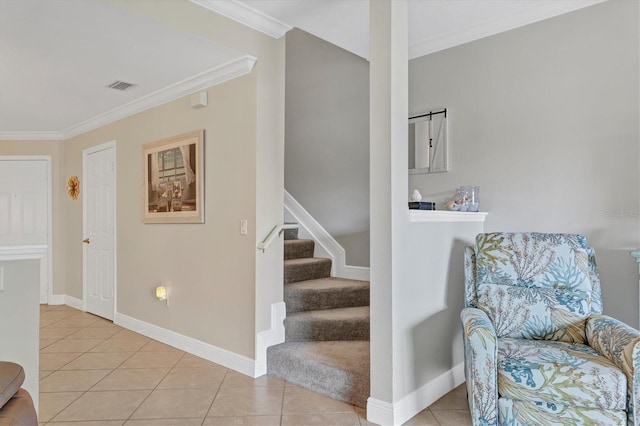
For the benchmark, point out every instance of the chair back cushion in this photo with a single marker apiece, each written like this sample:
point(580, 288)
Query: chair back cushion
point(535, 285)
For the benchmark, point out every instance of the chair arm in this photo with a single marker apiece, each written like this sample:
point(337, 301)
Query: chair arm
point(481, 362)
point(619, 343)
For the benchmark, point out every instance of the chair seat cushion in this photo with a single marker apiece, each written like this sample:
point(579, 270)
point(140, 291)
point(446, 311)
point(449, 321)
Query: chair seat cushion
point(526, 413)
point(11, 378)
point(554, 372)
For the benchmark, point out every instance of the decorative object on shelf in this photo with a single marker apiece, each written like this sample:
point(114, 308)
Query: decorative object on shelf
point(416, 195)
point(173, 179)
point(73, 187)
point(465, 199)
point(422, 205)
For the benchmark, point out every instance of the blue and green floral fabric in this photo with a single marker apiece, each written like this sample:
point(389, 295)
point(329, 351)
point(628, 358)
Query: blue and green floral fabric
point(533, 285)
point(537, 349)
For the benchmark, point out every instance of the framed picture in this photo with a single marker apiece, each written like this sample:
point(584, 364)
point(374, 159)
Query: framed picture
point(174, 179)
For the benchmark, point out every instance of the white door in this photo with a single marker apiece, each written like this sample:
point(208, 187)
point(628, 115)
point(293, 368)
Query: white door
point(25, 210)
point(99, 257)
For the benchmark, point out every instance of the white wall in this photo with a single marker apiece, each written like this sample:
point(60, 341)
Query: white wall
point(545, 118)
point(327, 138)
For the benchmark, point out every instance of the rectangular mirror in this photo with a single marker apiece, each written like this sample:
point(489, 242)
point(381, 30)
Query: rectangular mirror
point(428, 142)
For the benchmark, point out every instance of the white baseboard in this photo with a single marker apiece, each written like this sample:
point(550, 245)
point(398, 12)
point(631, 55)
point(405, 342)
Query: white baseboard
point(273, 336)
point(204, 350)
point(326, 244)
point(63, 299)
point(385, 413)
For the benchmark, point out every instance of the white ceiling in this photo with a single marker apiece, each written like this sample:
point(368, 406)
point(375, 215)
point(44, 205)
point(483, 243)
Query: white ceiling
point(56, 57)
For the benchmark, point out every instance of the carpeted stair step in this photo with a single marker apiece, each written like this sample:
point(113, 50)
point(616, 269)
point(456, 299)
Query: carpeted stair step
point(298, 249)
point(290, 234)
point(325, 293)
point(306, 269)
point(328, 324)
point(339, 370)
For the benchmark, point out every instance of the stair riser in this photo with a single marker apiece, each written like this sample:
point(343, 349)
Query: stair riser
point(298, 249)
point(290, 234)
point(313, 300)
point(325, 330)
point(304, 272)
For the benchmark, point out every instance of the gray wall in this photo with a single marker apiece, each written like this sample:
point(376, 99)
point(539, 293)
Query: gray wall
point(545, 119)
point(327, 138)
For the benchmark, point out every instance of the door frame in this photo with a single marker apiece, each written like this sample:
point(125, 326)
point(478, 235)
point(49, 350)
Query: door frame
point(85, 153)
point(49, 187)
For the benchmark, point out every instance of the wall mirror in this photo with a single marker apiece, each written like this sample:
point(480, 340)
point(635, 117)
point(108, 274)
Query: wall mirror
point(428, 142)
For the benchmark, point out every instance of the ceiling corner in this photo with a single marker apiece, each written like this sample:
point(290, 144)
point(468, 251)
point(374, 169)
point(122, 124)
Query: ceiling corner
point(246, 15)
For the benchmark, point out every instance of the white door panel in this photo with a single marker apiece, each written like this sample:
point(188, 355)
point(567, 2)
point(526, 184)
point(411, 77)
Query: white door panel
point(99, 230)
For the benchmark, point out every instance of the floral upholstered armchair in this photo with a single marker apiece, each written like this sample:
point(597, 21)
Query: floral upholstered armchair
point(538, 350)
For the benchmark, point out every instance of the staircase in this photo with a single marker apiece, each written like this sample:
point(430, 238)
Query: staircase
point(326, 346)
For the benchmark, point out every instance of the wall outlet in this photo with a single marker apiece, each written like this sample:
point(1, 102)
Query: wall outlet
point(243, 227)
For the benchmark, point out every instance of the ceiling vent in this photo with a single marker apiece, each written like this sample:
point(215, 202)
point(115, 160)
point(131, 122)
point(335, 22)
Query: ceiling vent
point(120, 85)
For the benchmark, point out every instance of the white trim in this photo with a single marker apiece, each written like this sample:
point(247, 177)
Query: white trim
point(273, 336)
point(385, 413)
point(72, 302)
point(204, 350)
point(247, 16)
point(49, 248)
point(324, 241)
point(31, 136)
point(57, 299)
point(217, 75)
point(30, 252)
point(85, 153)
point(538, 12)
point(445, 216)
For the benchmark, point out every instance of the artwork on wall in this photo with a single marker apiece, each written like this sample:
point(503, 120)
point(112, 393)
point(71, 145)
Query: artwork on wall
point(73, 187)
point(174, 179)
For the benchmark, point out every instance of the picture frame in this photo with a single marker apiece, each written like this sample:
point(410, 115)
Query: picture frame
point(173, 183)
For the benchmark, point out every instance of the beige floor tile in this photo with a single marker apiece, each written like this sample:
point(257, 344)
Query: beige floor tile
point(54, 361)
point(73, 380)
point(93, 333)
point(152, 360)
point(164, 422)
point(132, 379)
point(98, 360)
point(48, 322)
point(84, 315)
point(57, 332)
point(453, 417)
point(71, 345)
point(247, 401)
point(323, 419)
point(45, 373)
point(298, 400)
point(56, 315)
point(176, 403)
point(89, 423)
point(128, 334)
point(75, 322)
point(52, 403)
point(194, 377)
point(189, 360)
point(119, 345)
point(242, 421)
point(454, 400)
point(46, 342)
point(423, 418)
point(155, 346)
point(107, 405)
point(235, 379)
point(106, 323)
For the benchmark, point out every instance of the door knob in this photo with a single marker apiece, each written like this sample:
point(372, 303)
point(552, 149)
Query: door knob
point(86, 241)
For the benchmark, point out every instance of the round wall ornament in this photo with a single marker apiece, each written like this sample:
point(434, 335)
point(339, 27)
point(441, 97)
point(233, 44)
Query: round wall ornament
point(73, 187)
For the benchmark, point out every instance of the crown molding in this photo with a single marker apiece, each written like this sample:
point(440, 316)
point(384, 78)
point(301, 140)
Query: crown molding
point(31, 136)
point(217, 75)
point(541, 11)
point(246, 15)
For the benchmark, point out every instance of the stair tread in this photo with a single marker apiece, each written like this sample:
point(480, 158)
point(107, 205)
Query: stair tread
point(306, 260)
point(328, 283)
point(299, 241)
point(338, 369)
point(337, 314)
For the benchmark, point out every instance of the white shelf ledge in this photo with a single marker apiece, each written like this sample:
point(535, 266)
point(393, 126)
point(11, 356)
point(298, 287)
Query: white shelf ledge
point(445, 216)
point(636, 254)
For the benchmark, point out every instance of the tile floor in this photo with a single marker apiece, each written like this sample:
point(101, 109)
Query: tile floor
point(95, 373)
